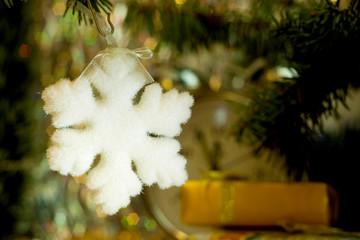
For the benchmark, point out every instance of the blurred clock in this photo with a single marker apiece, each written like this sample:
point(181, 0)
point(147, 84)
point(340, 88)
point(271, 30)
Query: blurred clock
point(207, 144)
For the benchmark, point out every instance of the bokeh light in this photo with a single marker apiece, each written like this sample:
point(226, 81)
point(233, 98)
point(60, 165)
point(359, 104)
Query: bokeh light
point(215, 83)
point(59, 8)
point(24, 50)
point(167, 83)
point(133, 219)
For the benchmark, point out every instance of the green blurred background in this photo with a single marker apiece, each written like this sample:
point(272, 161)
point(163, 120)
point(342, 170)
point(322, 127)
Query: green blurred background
point(292, 65)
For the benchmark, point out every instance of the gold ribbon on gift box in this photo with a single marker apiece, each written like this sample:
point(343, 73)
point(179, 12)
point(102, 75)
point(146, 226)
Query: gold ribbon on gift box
point(227, 192)
point(224, 199)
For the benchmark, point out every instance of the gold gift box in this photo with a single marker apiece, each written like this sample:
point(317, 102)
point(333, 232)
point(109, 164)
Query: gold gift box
point(256, 204)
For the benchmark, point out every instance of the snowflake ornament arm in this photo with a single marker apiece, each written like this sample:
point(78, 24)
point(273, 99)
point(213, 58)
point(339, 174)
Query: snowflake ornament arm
point(165, 112)
point(70, 106)
point(116, 129)
point(67, 104)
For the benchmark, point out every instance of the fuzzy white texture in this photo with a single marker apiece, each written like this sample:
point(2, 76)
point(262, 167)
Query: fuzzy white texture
point(116, 129)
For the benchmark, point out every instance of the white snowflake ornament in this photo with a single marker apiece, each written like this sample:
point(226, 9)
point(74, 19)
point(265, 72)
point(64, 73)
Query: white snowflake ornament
point(118, 130)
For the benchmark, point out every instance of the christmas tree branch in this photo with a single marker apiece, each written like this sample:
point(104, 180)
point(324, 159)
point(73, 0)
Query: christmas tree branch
point(321, 44)
point(192, 24)
point(97, 5)
point(10, 3)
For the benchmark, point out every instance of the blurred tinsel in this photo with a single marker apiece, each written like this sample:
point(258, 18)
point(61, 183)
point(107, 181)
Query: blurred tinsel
point(19, 130)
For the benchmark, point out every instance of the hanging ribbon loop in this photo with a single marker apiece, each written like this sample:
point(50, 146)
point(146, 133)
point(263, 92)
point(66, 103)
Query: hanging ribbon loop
point(98, 26)
point(103, 29)
point(98, 61)
point(143, 52)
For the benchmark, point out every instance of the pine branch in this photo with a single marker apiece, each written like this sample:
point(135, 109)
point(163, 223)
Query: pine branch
point(10, 3)
point(98, 5)
point(321, 44)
